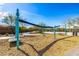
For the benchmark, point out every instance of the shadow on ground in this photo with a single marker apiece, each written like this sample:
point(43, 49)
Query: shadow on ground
point(42, 51)
point(23, 52)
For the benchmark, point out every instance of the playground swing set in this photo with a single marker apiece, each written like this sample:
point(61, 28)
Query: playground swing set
point(23, 21)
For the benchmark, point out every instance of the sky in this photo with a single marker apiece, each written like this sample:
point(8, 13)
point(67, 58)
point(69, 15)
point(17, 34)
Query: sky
point(49, 13)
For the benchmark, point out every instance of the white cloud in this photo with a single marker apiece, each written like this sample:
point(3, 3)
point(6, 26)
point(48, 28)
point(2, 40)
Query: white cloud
point(2, 3)
point(2, 14)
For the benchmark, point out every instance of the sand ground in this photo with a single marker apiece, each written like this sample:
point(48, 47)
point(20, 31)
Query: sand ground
point(40, 45)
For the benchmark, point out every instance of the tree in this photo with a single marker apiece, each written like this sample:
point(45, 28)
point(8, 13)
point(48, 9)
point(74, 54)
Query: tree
point(73, 23)
point(10, 21)
point(41, 30)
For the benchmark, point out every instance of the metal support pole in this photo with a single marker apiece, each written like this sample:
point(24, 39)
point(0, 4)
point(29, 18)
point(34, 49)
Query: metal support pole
point(17, 29)
point(54, 33)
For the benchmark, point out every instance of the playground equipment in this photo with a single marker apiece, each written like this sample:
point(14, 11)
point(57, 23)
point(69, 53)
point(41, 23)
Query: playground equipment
point(23, 21)
point(17, 28)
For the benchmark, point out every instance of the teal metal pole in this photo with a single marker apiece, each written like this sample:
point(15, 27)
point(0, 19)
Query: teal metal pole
point(55, 29)
point(17, 29)
point(54, 33)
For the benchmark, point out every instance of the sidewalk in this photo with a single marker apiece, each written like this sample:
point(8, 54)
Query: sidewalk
point(5, 38)
point(73, 52)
